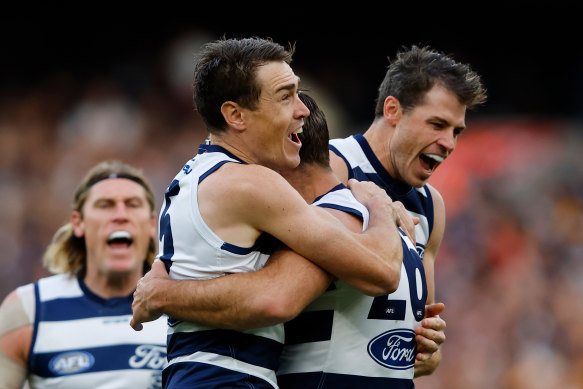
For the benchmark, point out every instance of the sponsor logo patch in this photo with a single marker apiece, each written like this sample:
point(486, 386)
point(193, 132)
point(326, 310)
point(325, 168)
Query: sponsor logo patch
point(394, 349)
point(72, 362)
point(148, 356)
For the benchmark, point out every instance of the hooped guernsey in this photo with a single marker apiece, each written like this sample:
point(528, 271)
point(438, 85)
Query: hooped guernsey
point(82, 340)
point(345, 339)
point(201, 356)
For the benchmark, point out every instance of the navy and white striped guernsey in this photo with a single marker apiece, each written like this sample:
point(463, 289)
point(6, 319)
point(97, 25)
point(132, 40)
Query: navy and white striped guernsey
point(363, 165)
point(81, 340)
point(346, 339)
point(200, 356)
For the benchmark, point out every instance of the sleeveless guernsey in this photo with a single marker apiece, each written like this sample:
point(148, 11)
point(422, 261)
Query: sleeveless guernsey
point(346, 339)
point(81, 340)
point(200, 356)
point(363, 165)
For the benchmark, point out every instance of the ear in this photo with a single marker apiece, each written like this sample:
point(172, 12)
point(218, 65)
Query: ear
point(78, 224)
point(233, 115)
point(392, 110)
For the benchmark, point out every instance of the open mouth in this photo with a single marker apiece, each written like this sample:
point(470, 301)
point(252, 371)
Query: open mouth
point(294, 136)
point(120, 239)
point(430, 161)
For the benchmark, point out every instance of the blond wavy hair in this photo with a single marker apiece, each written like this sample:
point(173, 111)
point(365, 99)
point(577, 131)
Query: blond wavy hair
point(66, 252)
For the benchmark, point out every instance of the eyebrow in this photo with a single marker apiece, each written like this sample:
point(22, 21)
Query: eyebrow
point(289, 86)
point(113, 200)
point(446, 122)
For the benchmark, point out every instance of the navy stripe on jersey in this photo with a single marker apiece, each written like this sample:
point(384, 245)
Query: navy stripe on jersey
point(211, 170)
point(319, 380)
point(313, 326)
point(338, 153)
point(336, 188)
point(257, 350)
point(395, 187)
point(198, 375)
point(37, 307)
point(83, 307)
point(265, 244)
point(397, 190)
point(385, 309)
point(96, 359)
point(336, 206)
point(204, 148)
point(341, 208)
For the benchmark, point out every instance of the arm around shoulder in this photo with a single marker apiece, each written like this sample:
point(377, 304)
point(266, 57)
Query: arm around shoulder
point(274, 294)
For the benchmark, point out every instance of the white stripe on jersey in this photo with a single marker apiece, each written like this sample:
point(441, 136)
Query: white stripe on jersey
point(228, 363)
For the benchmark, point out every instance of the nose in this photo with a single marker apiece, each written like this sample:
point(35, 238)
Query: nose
point(120, 211)
point(301, 110)
point(447, 141)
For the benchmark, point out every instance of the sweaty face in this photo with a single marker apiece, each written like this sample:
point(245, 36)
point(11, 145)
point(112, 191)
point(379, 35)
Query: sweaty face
point(117, 224)
point(280, 114)
point(425, 136)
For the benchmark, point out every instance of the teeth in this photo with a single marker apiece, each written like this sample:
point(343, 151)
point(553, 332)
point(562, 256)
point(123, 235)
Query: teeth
point(299, 130)
point(435, 157)
point(120, 235)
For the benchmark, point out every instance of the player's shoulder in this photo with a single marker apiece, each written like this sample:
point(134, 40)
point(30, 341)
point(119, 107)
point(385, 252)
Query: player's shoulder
point(242, 173)
point(18, 306)
point(436, 196)
point(235, 180)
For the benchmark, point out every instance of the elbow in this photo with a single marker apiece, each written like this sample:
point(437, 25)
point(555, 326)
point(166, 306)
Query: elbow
point(277, 309)
point(386, 284)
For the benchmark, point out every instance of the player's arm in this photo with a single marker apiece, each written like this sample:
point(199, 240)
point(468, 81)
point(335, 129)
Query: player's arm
point(15, 339)
point(276, 293)
point(434, 242)
point(369, 261)
point(430, 335)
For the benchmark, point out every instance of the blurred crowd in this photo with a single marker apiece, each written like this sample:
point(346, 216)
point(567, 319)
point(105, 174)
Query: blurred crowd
point(510, 269)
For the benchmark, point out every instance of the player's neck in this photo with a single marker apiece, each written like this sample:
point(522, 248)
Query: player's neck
point(117, 285)
point(378, 137)
point(311, 181)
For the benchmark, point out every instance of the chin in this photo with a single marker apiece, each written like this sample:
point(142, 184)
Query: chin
point(417, 182)
point(123, 268)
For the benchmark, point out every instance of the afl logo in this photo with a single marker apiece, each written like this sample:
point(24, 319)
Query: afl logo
point(72, 362)
point(394, 349)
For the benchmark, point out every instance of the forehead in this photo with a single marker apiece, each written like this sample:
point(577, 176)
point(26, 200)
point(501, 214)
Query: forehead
point(111, 188)
point(274, 76)
point(444, 104)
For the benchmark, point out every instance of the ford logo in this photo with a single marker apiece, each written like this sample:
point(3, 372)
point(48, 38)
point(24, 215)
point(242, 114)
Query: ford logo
point(394, 349)
point(71, 362)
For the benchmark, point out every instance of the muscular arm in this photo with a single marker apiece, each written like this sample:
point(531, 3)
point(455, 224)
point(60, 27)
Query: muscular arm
point(434, 242)
point(431, 334)
point(368, 261)
point(276, 293)
point(15, 339)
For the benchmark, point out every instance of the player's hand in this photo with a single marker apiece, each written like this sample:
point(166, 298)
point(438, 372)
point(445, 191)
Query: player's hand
point(373, 197)
point(429, 337)
point(405, 220)
point(147, 285)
